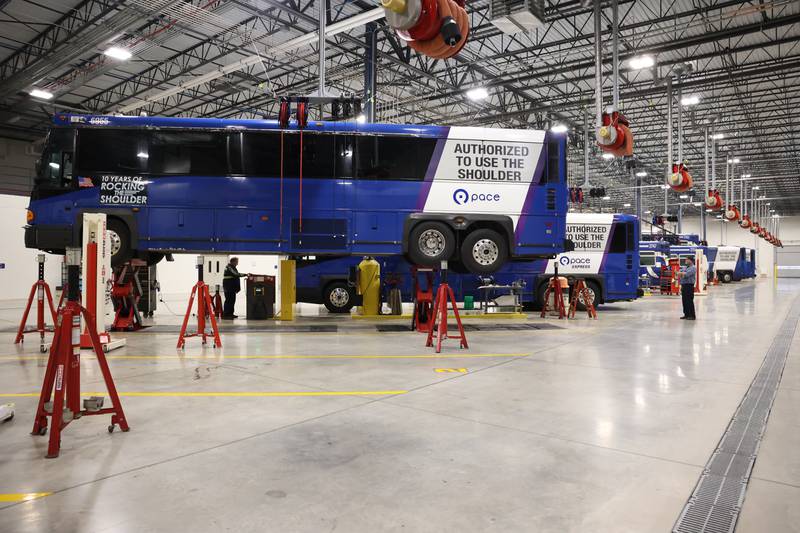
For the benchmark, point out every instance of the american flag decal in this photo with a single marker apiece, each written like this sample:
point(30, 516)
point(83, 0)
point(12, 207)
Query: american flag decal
point(84, 181)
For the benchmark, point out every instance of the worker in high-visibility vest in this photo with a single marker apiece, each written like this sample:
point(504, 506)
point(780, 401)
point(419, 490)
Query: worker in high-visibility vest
point(230, 286)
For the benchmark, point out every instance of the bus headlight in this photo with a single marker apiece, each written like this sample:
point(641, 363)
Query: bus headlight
point(29, 216)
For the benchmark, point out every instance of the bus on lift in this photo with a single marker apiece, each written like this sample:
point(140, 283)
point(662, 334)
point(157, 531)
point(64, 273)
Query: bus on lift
point(476, 196)
point(605, 255)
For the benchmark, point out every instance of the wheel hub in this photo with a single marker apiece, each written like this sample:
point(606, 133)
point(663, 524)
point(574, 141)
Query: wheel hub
point(431, 242)
point(116, 242)
point(485, 252)
point(339, 297)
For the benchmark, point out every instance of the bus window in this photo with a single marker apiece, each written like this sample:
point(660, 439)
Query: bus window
point(344, 156)
point(111, 151)
point(393, 158)
point(631, 244)
point(618, 239)
point(261, 153)
point(318, 155)
point(188, 152)
point(647, 259)
point(554, 156)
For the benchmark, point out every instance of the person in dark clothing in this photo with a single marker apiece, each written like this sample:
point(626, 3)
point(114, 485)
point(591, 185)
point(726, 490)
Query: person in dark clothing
point(688, 276)
point(230, 286)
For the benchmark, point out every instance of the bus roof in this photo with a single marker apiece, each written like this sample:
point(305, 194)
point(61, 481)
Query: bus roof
point(352, 126)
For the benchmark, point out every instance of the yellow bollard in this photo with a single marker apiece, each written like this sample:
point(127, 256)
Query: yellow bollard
point(288, 289)
point(369, 286)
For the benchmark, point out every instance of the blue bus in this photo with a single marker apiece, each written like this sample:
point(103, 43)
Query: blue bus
point(653, 256)
point(735, 263)
point(606, 256)
point(477, 196)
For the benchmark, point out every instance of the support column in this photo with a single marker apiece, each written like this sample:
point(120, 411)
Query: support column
point(288, 289)
point(370, 55)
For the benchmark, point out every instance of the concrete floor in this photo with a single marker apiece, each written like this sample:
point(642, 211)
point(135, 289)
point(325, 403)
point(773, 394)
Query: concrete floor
point(594, 427)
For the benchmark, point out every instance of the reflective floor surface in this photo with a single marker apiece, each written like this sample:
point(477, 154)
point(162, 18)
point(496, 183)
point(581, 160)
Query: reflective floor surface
point(594, 426)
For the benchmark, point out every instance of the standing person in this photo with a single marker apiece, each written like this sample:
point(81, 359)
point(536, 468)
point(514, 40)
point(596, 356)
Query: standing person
point(230, 286)
point(688, 276)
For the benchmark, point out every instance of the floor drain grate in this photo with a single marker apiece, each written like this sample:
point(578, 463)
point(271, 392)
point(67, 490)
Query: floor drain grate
point(715, 504)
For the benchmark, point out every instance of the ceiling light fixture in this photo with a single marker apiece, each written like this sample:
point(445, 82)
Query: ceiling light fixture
point(640, 62)
point(39, 93)
point(684, 196)
point(559, 128)
point(641, 174)
point(608, 156)
point(718, 136)
point(361, 119)
point(478, 93)
point(116, 52)
point(690, 100)
point(606, 198)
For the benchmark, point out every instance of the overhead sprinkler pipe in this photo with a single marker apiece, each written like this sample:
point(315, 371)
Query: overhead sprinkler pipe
point(680, 121)
point(705, 160)
point(598, 66)
point(670, 159)
point(615, 52)
point(586, 146)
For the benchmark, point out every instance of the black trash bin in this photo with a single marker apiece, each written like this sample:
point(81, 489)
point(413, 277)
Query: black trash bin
point(260, 297)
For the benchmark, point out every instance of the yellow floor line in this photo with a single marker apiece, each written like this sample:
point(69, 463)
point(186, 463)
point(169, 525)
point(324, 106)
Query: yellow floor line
point(23, 496)
point(461, 315)
point(288, 356)
point(161, 394)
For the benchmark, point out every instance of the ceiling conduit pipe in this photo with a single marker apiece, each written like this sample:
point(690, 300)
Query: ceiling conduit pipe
point(668, 169)
point(705, 181)
point(598, 66)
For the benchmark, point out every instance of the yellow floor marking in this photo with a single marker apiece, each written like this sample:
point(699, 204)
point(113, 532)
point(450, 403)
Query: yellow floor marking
point(224, 394)
point(453, 370)
point(23, 496)
point(288, 356)
point(461, 315)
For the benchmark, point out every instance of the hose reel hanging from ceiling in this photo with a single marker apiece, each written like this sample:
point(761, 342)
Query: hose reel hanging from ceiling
point(435, 28)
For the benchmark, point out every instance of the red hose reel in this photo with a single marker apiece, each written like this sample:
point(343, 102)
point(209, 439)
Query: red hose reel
point(680, 180)
point(755, 228)
point(714, 200)
point(435, 28)
point(732, 213)
point(615, 136)
point(745, 223)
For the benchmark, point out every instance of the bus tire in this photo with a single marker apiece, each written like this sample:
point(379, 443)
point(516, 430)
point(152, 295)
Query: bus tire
point(153, 258)
point(594, 291)
point(540, 293)
point(484, 251)
point(338, 297)
point(430, 243)
point(727, 277)
point(121, 251)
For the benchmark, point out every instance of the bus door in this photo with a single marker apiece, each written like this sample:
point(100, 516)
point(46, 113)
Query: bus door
point(310, 194)
point(623, 261)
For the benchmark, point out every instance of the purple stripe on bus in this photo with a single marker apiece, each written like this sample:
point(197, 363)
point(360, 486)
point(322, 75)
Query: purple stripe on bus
point(432, 166)
point(535, 180)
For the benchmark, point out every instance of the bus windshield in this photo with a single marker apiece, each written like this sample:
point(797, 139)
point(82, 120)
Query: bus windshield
point(54, 169)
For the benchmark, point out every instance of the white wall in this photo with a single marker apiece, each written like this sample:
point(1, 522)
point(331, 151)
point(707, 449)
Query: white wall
point(17, 164)
point(718, 232)
point(21, 269)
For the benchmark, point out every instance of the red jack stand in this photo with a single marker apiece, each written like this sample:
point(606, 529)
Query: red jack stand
point(423, 300)
point(205, 309)
point(439, 321)
point(554, 288)
point(126, 293)
point(42, 290)
point(62, 379)
point(216, 300)
point(580, 291)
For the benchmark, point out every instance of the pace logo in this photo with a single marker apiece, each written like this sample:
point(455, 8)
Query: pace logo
point(564, 260)
point(462, 196)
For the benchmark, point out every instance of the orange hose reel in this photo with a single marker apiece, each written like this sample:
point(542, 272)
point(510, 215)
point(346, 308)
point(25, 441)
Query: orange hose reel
point(435, 28)
point(732, 213)
point(680, 180)
point(714, 200)
point(745, 223)
point(615, 135)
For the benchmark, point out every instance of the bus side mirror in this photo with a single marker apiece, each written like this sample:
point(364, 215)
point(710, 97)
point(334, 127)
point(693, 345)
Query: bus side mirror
point(569, 246)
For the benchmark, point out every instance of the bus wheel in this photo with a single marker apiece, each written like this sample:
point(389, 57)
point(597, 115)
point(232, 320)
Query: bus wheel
point(338, 297)
point(483, 251)
point(594, 291)
point(727, 277)
point(120, 237)
point(430, 243)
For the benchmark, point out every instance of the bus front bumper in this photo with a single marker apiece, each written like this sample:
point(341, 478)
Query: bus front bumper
point(49, 237)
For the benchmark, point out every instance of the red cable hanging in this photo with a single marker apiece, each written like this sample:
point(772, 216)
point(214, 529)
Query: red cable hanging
point(300, 225)
point(280, 222)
